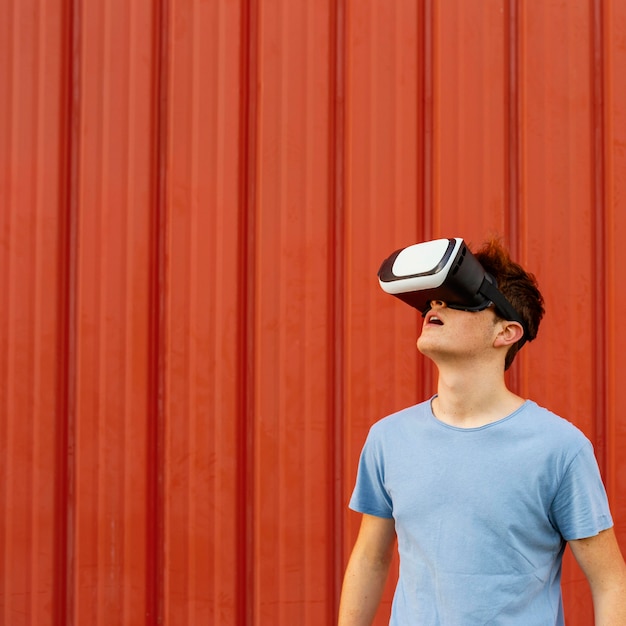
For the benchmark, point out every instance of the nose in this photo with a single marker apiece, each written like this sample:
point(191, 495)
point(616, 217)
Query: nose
point(432, 304)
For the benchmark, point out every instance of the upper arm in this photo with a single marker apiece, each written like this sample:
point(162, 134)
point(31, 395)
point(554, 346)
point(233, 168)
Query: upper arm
point(600, 559)
point(367, 571)
point(376, 539)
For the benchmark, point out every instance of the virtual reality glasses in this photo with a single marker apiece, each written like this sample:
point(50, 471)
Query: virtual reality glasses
point(443, 269)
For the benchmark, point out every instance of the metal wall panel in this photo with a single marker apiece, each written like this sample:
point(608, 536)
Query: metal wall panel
point(32, 342)
point(292, 318)
point(110, 317)
point(610, 257)
point(195, 200)
point(202, 433)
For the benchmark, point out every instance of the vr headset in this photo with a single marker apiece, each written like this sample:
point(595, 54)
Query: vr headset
point(443, 269)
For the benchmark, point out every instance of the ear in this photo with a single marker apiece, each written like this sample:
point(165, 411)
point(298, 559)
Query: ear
point(510, 333)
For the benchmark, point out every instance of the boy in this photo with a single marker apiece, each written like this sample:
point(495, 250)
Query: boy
point(482, 488)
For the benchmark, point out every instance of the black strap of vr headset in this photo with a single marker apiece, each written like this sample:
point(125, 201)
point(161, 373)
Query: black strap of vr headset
point(491, 292)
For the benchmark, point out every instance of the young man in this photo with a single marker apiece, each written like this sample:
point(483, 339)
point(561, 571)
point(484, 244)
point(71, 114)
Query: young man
point(482, 488)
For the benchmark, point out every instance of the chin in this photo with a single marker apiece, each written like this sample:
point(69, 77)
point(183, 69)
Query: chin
point(434, 350)
point(423, 347)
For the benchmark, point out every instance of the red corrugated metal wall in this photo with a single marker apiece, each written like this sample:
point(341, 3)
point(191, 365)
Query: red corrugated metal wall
point(195, 198)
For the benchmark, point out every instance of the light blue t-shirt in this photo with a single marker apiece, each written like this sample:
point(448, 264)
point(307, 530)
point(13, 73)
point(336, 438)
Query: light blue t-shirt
point(481, 514)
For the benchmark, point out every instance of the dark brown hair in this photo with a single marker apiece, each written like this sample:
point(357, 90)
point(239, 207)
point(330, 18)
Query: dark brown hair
point(519, 287)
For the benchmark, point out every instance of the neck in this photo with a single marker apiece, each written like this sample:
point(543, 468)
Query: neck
point(473, 397)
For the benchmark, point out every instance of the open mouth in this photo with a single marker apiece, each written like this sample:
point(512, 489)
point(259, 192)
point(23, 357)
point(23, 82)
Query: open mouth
point(433, 319)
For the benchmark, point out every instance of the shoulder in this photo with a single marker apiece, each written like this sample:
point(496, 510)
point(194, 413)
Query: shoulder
point(552, 441)
point(392, 430)
point(411, 416)
point(551, 425)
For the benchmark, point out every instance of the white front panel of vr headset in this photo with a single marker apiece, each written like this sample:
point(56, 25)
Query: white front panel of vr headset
point(421, 258)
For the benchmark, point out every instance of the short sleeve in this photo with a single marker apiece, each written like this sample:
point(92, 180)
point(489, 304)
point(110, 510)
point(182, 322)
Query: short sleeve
point(369, 495)
point(580, 508)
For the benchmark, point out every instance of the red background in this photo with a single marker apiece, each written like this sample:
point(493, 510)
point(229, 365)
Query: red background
point(195, 198)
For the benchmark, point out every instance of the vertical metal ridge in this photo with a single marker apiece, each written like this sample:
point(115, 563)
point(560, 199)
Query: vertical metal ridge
point(601, 425)
point(513, 129)
point(427, 374)
point(7, 218)
point(336, 300)
point(155, 535)
point(246, 286)
point(424, 138)
point(512, 210)
point(69, 215)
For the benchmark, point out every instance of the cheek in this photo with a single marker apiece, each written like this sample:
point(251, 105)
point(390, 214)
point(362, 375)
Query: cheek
point(481, 333)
